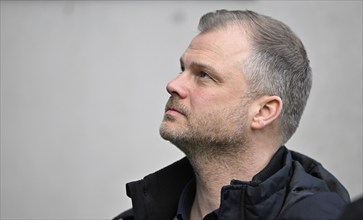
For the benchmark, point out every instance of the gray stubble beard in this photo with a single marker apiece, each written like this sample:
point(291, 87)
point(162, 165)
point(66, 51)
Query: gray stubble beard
point(212, 143)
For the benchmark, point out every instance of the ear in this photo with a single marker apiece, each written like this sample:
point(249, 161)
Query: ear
point(267, 109)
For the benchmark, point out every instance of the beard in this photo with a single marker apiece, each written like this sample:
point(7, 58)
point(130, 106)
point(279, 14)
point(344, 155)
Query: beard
point(216, 132)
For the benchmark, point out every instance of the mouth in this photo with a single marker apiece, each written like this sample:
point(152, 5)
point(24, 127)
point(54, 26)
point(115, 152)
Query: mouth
point(173, 111)
point(173, 108)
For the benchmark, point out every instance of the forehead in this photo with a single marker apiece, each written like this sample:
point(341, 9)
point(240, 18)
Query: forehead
point(221, 47)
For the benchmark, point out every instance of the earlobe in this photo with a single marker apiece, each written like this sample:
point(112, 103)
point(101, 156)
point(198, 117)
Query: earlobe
point(268, 108)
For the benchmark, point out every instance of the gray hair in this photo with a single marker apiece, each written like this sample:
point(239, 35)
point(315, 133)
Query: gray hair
point(278, 63)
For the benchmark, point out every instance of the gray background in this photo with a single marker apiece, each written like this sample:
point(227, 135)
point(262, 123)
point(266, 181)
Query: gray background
point(83, 91)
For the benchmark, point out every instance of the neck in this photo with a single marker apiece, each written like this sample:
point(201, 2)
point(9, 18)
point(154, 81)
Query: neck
point(212, 173)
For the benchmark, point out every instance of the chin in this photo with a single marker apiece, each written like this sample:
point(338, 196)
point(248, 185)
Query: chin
point(169, 131)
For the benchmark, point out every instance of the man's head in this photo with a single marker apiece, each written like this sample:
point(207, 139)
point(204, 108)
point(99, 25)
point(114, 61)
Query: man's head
point(278, 63)
point(243, 72)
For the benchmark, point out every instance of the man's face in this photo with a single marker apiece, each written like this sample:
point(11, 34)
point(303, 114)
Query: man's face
point(206, 109)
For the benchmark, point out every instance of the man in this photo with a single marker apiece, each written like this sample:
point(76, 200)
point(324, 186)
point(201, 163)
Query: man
point(244, 82)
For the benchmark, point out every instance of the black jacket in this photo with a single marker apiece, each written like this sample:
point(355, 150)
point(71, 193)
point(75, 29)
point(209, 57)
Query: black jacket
point(292, 186)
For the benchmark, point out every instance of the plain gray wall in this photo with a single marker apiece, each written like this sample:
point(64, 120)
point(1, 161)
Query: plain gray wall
point(83, 93)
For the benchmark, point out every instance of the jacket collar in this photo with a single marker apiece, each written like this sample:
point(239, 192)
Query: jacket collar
point(157, 195)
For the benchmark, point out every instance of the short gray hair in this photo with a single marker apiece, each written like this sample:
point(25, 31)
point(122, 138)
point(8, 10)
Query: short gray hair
point(278, 63)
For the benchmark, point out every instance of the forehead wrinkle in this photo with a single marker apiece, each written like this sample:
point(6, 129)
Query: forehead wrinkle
point(214, 46)
point(212, 49)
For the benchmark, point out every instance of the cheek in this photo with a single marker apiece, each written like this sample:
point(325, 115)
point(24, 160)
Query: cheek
point(202, 99)
point(205, 104)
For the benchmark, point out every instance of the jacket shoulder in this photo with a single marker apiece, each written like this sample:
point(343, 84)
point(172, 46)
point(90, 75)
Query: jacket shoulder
point(313, 191)
point(322, 205)
point(308, 170)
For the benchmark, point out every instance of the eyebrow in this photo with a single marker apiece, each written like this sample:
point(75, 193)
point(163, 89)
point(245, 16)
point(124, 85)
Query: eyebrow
point(209, 69)
point(200, 66)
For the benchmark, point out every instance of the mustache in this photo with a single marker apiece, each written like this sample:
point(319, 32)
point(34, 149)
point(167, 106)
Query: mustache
point(175, 105)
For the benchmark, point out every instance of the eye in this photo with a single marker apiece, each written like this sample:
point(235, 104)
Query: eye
point(203, 74)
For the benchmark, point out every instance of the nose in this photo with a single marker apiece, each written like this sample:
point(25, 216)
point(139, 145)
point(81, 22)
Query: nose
point(178, 86)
